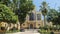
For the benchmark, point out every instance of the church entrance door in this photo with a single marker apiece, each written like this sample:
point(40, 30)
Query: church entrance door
point(31, 26)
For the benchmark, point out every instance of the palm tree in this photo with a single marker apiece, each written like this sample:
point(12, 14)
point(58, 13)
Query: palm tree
point(44, 11)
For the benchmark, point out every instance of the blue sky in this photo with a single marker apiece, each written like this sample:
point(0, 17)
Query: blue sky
point(52, 3)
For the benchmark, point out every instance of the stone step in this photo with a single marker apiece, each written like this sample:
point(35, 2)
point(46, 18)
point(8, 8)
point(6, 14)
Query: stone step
point(29, 33)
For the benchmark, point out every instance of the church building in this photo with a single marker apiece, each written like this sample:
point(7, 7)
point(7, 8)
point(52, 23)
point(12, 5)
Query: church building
point(33, 20)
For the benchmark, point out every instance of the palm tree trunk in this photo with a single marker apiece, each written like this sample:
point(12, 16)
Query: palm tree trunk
point(44, 20)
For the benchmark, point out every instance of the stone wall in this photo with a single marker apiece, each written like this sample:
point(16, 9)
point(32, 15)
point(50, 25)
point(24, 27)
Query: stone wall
point(9, 26)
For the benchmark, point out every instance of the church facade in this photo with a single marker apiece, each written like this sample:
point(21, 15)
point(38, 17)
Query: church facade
point(33, 20)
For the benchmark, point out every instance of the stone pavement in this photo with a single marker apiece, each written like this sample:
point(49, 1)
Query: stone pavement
point(30, 31)
point(27, 31)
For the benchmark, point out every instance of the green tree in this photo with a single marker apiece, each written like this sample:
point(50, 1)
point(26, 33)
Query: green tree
point(20, 8)
point(44, 10)
point(12, 4)
point(6, 14)
point(53, 16)
point(5, 2)
point(25, 7)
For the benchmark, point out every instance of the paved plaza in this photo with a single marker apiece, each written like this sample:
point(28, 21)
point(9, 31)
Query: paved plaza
point(30, 31)
point(27, 31)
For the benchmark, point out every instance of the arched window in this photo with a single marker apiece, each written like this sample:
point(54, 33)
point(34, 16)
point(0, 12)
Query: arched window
point(31, 16)
point(38, 17)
